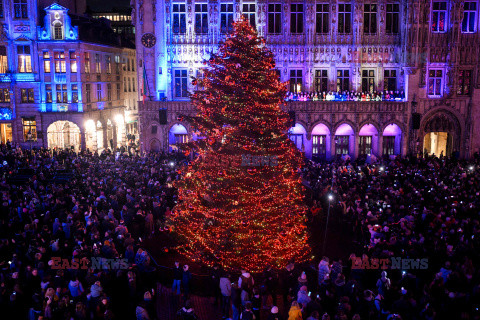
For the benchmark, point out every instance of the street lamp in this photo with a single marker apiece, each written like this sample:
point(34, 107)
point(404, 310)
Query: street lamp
point(330, 199)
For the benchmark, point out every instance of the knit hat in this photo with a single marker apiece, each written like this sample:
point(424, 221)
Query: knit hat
point(274, 310)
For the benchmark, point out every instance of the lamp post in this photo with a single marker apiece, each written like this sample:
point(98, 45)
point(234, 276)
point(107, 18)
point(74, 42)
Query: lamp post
point(330, 198)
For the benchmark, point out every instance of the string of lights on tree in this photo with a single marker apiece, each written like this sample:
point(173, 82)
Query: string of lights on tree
point(241, 216)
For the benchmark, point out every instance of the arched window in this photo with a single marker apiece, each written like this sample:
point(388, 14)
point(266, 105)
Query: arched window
point(57, 31)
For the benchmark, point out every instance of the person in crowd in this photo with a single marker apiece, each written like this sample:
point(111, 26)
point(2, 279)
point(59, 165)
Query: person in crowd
point(248, 314)
point(274, 315)
point(187, 312)
point(186, 279)
point(177, 278)
point(226, 291)
point(295, 312)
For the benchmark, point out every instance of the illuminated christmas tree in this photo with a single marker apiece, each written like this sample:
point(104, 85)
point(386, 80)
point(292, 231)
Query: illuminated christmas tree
point(241, 199)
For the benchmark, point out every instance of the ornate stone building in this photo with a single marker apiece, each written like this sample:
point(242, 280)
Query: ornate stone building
point(376, 49)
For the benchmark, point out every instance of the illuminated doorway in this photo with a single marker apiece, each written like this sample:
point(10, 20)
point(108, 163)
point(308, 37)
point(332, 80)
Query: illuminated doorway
point(438, 143)
point(63, 135)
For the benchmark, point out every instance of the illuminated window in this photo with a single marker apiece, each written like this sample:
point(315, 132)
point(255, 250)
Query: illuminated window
point(435, 82)
point(297, 139)
point(57, 31)
point(117, 64)
point(368, 81)
point(20, 9)
point(388, 145)
point(118, 91)
point(464, 82)
point(3, 59)
point(180, 84)
point(296, 18)
point(74, 93)
point(48, 93)
point(73, 62)
point(274, 18)
point(341, 145)
point(88, 93)
point(98, 64)
point(390, 80)
point(469, 16)
point(29, 129)
point(201, 18)
point(4, 95)
point(439, 16)
point(392, 15)
point(87, 62)
point(27, 95)
point(296, 80)
point(46, 62)
point(109, 92)
point(365, 145)
point(369, 18)
point(226, 17)
point(24, 59)
point(322, 21)
point(62, 96)
point(319, 147)
point(60, 64)
point(321, 80)
point(99, 92)
point(343, 80)
point(344, 18)
point(108, 64)
point(250, 14)
point(179, 19)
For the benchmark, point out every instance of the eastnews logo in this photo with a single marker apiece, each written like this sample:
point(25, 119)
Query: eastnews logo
point(393, 263)
point(93, 263)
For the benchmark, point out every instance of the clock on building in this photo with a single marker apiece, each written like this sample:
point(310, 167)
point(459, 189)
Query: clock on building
point(148, 40)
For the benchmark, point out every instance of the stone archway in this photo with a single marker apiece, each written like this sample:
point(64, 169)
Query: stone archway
point(64, 134)
point(441, 134)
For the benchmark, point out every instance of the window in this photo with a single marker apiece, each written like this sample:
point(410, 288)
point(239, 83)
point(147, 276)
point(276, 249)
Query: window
point(27, 95)
point(390, 80)
point(344, 18)
point(201, 18)
point(469, 15)
point(48, 93)
point(181, 138)
point(368, 81)
point(73, 62)
point(321, 80)
point(322, 23)
point(133, 85)
point(435, 79)
point(87, 62)
point(108, 64)
point(3, 59)
point(200, 76)
point(24, 59)
point(20, 9)
point(439, 16)
point(319, 147)
point(226, 17)
point(117, 64)
point(249, 13)
point(74, 93)
point(60, 65)
point(392, 15)
point(128, 64)
point(4, 95)
point(109, 92)
point(274, 18)
point(296, 80)
point(297, 139)
point(180, 84)
point(99, 92)
point(98, 64)
point(124, 84)
point(388, 145)
point(369, 18)
point(57, 31)
point(61, 93)
point(29, 129)
point(343, 80)
point(464, 82)
point(88, 93)
point(118, 91)
point(133, 65)
point(129, 85)
point(342, 145)
point(296, 18)
point(179, 19)
point(365, 145)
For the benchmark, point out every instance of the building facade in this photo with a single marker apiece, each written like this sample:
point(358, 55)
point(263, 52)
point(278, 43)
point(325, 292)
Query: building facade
point(63, 80)
point(403, 75)
point(120, 19)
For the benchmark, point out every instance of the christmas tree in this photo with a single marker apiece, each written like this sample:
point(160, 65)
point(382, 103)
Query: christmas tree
point(241, 199)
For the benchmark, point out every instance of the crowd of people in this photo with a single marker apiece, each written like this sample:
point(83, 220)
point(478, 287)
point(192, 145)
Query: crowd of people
point(414, 224)
point(73, 249)
point(346, 96)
